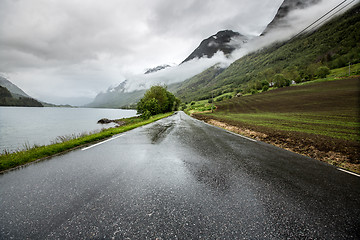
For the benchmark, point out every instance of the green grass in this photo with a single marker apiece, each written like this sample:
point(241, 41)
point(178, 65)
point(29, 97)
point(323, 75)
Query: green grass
point(328, 108)
point(10, 160)
point(344, 71)
point(345, 128)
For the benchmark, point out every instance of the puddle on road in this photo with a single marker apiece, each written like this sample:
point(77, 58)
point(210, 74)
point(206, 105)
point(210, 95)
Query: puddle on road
point(158, 132)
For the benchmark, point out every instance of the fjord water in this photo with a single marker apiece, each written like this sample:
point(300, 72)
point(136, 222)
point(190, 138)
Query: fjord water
point(20, 126)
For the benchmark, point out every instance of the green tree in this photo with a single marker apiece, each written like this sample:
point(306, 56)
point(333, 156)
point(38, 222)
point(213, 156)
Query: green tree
point(292, 73)
point(322, 72)
point(157, 100)
point(280, 81)
point(265, 88)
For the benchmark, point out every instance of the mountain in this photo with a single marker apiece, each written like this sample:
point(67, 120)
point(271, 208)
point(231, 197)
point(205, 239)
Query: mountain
point(15, 90)
point(333, 45)
point(11, 95)
point(9, 99)
point(156, 69)
point(221, 41)
point(117, 97)
point(286, 7)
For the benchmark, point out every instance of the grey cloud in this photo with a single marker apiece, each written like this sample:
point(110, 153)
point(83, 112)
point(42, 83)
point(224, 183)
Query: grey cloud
point(79, 48)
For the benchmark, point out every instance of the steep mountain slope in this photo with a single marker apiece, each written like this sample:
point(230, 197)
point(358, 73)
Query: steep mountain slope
point(15, 90)
point(287, 6)
point(221, 41)
point(333, 45)
point(11, 95)
point(194, 83)
point(7, 99)
point(116, 97)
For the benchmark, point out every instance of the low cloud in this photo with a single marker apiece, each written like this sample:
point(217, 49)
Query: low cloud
point(68, 51)
point(175, 74)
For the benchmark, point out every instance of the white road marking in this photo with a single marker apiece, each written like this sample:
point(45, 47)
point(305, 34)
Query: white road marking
point(348, 172)
point(113, 138)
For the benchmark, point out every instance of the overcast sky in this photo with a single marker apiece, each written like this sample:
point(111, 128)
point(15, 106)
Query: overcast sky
point(67, 51)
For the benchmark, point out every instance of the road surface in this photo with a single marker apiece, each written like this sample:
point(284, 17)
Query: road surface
point(179, 178)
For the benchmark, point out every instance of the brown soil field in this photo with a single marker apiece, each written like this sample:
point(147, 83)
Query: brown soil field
point(340, 98)
point(316, 97)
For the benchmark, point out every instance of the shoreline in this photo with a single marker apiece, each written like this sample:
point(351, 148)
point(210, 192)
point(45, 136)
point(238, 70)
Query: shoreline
point(17, 160)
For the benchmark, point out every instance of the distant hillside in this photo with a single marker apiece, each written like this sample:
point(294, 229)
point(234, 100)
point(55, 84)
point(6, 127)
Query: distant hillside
point(286, 7)
point(218, 42)
point(15, 90)
point(117, 97)
point(333, 45)
point(11, 95)
point(6, 99)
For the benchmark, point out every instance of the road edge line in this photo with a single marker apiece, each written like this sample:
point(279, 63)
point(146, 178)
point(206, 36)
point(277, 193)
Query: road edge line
point(99, 143)
point(343, 170)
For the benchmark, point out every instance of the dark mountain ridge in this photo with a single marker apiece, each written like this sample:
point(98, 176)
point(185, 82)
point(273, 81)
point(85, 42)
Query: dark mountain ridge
point(11, 95)
point(286, 7)
point(156, 69)
point(15, 90)
point(221, 41)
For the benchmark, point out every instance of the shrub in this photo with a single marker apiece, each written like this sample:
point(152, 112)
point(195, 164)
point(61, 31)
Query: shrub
point(219, 99)
point(157, 100)
point(265, 88)
point(146, 115)
point(280, 81)
point(322, 72)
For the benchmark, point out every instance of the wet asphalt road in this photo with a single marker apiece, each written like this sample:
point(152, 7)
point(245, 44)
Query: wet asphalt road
point(179, 179)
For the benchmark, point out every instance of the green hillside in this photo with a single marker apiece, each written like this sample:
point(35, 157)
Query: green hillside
point(7, 99)
point(334, 45)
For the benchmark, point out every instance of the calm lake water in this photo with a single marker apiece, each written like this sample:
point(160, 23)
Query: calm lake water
point(20, 125)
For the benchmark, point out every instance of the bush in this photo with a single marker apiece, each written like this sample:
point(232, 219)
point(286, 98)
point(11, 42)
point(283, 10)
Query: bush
point(152, 106)
point(146, 115)
point(219, 99)
point(157, 100)
point(280, 81)
point(265, 88)
point(322, 72)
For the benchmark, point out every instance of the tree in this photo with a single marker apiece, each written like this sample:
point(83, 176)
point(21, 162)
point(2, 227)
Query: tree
point(322, 72)
point(281, 81)
point(157, 100)
point(292, 73)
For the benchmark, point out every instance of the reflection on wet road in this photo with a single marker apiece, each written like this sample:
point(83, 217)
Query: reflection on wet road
point(179, 179)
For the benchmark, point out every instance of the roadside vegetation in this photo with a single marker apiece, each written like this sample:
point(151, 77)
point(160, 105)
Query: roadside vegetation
point(10, 160)
point(319, 118)
point(157, 100)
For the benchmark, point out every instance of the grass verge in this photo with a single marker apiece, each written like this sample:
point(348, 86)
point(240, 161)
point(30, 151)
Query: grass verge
point(15, 159)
